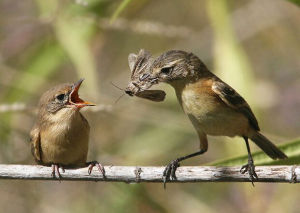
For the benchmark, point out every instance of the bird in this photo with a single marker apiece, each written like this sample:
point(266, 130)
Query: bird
point(213, 107)
point(60, 135)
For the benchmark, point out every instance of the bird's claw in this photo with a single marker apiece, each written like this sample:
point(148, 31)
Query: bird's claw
point(55, 171)
point(98, 165)
point(250, 168)
point(169, 172)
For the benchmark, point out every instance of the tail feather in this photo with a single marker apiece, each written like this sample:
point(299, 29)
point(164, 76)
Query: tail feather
point(267, 146)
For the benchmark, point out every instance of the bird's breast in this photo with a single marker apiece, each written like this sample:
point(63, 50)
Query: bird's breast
point(208, 113)
point(66, 141)
point(199, 102)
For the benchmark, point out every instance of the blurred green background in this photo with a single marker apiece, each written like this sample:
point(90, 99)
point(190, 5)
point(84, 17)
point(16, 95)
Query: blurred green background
point(254, 45)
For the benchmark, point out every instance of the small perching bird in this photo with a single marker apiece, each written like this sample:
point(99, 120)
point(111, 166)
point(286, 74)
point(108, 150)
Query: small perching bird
point(60, 136)
point(213, 107)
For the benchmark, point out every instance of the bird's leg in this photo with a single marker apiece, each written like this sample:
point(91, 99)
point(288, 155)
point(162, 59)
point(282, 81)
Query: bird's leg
point(98, 165)
point(169, 172)
point(250, 168)
point(55, 170)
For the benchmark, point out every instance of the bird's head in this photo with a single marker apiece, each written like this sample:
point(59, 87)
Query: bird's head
point(63, 99)
point(173, 65)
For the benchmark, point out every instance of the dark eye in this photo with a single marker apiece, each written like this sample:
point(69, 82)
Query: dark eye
point(166, 70)
point(60, 97)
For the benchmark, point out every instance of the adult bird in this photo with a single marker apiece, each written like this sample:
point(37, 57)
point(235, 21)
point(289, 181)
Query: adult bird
point(213, 107)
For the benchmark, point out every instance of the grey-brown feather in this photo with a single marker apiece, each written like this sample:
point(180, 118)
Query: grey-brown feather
point(230, 97)
point(35, 143)
point(267, 146)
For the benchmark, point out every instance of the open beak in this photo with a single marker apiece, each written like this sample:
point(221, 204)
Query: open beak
point(74, 97)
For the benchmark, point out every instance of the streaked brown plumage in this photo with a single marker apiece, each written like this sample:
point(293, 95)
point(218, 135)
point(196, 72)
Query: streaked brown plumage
point(213, 107)
point(60, 136)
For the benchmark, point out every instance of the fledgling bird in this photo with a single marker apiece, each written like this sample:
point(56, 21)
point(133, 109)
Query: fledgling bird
point(60, 136)
point(213, 107)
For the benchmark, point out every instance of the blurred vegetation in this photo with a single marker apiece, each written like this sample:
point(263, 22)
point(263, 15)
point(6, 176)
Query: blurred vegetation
point(295, 1)
point(252, 45)
point(291, 149)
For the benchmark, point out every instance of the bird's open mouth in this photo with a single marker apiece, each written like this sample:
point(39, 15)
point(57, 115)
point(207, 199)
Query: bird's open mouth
point(74, 97)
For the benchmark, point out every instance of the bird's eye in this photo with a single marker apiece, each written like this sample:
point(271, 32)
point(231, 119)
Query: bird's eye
point(166, 70)
point(60, 97)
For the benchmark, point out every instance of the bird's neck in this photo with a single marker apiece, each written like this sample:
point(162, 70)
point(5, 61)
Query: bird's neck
point(180, 85)
point(189, 83)
point(65, 116)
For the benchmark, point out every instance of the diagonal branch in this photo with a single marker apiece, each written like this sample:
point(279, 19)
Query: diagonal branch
point(135, 174)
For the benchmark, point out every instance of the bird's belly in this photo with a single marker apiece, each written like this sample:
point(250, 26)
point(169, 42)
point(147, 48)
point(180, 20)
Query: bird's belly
point(59, 146)
point(212, 117)
point(220, 124)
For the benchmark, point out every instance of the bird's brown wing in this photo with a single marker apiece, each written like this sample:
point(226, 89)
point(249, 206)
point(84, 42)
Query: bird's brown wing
point(230, 97)
point(35, 142)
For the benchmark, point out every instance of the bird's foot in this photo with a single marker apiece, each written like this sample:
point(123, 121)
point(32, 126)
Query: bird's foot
point(55, 170)
point(98, 165)
point(169, 172)
point(250, 168)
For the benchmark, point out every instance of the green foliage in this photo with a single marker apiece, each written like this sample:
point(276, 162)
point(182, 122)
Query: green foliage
point(46, 60)
point(291, 149)
point(75, 38)
point(120, 8)
point(295, 2)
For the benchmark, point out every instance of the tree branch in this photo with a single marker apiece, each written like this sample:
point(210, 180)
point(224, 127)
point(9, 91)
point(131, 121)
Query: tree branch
point(22, 107)
point(132, 174)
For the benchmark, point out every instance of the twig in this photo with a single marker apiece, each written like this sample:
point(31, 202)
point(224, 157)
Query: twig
point(136, 174)
point(22, 107)
point(146, 27)
point(15, 107)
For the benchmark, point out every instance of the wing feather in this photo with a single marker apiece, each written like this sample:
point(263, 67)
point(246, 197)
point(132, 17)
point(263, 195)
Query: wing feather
point(230, 97)
point(35, 141)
